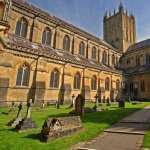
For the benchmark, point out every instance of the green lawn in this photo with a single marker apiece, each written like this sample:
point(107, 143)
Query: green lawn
point(94, 123)
point(147, 140)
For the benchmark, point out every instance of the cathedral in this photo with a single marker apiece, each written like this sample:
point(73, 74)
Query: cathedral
point(49, 60)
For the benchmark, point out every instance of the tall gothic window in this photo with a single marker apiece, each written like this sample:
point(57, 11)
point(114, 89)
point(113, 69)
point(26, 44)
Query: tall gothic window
point(66, 43)
point(147, 59)
point(104, 59)
point(82, 48)
point(94, 83)
point(77, 81)
point(94, 53)
point(21, 27)
point(143, 86)
point(137, 60)
point(54, 79)
point(117, 84)
point(107, 84)
point(23, 76)
point(113, 59)
point(46, 37)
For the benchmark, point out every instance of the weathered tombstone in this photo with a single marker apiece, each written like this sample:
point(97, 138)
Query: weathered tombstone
point(12, 108)
point(57, 104)
point(96, 103)
point(72, 101)
point(108, 102)
point(121, 103)
point(27, 122)
point(103, 99)
point(79, 105)
point(57, 127)
point(95, 108)
point(17, 119)
point(43, 105)
point(129, 99)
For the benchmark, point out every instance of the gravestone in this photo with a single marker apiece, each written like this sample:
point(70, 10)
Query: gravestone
point(12, 107)
point(121, 103)
point(27, 122)
point(108, 102)
point(72, 101)
point(57, 127)
point(79, 105)
point(95, 108)
point(17, 119)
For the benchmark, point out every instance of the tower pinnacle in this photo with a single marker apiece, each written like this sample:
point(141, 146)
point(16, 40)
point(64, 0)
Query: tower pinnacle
point(121, 8)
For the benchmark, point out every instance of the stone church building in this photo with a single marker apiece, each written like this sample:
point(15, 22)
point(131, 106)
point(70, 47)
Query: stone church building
point(47, 59)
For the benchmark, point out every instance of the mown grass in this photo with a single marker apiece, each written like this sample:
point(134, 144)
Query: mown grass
point(147, 140)
point(93, 123)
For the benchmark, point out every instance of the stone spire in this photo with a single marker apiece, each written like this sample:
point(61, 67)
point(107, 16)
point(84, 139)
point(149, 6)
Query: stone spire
point(126, 12)
point(121, 8)
point(106, 15)
point(109, 13)
point(114, 11)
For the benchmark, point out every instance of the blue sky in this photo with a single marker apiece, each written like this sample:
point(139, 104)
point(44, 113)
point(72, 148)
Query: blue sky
point(88, 14)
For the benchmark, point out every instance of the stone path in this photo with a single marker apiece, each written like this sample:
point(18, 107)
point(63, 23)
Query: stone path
point(128, 134)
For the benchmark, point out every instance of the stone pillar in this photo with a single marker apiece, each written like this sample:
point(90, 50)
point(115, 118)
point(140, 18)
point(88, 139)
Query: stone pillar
point(86, 86)
point(58, 37)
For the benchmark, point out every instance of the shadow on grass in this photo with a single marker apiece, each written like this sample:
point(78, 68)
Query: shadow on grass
point(35, 136)
point(12, 130)
point(109, 116)
point(4, 113)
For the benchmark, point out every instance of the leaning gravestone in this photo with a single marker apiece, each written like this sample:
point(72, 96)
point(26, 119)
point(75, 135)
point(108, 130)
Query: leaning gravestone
point(79, 105)
point(57, 127)
point(17, 119)
point(27, 122)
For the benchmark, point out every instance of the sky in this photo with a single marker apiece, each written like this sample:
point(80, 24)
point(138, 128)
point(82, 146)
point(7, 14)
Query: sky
point(88, 14)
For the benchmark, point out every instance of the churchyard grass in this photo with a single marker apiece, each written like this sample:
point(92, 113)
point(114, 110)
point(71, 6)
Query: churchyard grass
point(147, 140)
point(93, 123)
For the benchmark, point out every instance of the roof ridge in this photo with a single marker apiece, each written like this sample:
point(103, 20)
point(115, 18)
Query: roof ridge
point(61, 21)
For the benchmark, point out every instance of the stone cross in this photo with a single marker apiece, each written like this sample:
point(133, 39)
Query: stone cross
point(29, 107)
point(12, 107)
point(19, 110)
point(96, 102)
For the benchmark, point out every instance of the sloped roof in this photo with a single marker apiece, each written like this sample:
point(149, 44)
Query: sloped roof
point(139, 45)
point(138, 70)
point(45, 15)
point(23, 45)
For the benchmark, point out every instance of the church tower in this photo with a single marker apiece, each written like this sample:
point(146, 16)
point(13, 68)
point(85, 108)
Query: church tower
point(119, 29)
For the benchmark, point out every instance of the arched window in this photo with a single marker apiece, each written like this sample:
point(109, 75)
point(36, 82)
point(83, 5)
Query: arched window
point(142, 86)
point(117, 84)
point(2, 8)
point(94, 83)
point(46, 37)
point(66, 43)
point(104, 60)
point(107, 84)
point(82, 48)
point(94, 53)
point(21, 27)
point(23, 76)
point(77, 81)
point(113, 59)
point(54, 79)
